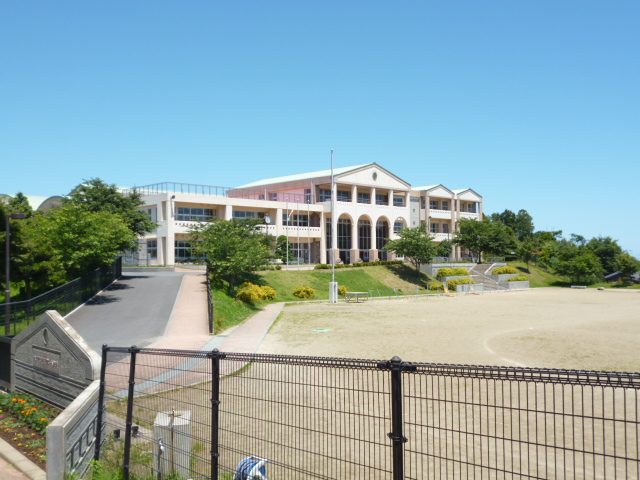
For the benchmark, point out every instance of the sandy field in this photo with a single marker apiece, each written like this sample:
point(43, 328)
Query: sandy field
point(546, 327)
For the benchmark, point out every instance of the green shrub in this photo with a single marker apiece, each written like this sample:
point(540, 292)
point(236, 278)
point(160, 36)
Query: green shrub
point(436, 286)
point(304, 292)
point(342, 290)
point(445, 272)
point(459, 281)
point(504, 270)
point(250, 293)
point(325, 266)
point(322, 266)
point(519, 278)
point(460, 271)
point(29, 410)
point(278, 267)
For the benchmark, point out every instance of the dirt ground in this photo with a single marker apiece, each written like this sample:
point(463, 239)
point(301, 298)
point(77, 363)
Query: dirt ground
point(546, 327)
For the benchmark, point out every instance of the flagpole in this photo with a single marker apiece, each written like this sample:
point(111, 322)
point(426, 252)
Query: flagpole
point(333, 288)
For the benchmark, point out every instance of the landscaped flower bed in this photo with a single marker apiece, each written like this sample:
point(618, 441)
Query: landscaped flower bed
point(23, 424)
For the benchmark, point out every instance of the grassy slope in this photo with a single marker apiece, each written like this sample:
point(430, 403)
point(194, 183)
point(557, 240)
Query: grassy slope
point(380, 278)
point(538, 277)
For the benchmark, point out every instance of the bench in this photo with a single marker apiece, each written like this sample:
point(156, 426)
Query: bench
point(350, 296)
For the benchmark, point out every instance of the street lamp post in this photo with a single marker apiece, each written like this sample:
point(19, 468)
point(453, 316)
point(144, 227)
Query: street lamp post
point(7, 305)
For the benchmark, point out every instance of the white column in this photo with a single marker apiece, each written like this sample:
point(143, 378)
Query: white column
point(323, 239)
point(391, 198)
point(354, 194)
point(228, 212)
point(279, 227)
point(373, 196)
point(355, 250)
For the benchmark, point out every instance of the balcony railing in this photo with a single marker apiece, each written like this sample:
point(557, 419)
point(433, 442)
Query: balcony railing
point(174, 187)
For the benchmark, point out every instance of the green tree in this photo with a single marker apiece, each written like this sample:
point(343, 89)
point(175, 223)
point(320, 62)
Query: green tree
point(525, 251)
point(414, 244)
point(585, 267)
point(231, 248)
point(484, 236)
point(20, 204)
point(284, 248)
point(84, 240)
point(444, 248)
point(37, 263)
point(97, 196)
point(606, 249)
point(627, 264)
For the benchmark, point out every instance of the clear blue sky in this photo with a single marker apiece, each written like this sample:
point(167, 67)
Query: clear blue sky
point(533, 104)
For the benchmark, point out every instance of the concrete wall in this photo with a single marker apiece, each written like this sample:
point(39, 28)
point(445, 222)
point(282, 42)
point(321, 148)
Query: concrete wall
point(516, 285)
point(71, 436)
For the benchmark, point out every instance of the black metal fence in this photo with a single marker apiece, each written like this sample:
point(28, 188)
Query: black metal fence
point(63, 298)
point(195, 414)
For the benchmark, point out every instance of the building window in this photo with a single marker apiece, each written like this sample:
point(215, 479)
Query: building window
point(343, 196)
point(153, 213)
point(240, 214)
point(299, 253)
point(152, 249)
point(398, 226)
point(344, 234)
point(364, 197)
point(382, 233)
point(445, 205)
point(295, 220)
point(434, 205)
point(307, 195)
point(471, 208)
point(273, 196)
point(184, 250)
point(382, 199)
point(364, 234)
point(325, 195)
point(433, 227)
point(398, 201)
point(187, 214)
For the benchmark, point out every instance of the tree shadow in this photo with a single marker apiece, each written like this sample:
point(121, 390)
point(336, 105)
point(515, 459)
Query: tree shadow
point(118, 286)
point(102, 300)
point(409, 274)
point(524, 270)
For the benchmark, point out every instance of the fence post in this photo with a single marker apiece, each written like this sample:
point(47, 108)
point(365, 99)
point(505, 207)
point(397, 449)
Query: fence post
point(126, 460)
point(397, 367)
point(215, 410)
point(99, 421)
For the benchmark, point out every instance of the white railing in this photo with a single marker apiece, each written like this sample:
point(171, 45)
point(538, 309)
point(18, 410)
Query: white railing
point(469, 215)
point(446, 214)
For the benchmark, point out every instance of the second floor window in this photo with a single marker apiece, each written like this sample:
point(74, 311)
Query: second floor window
point(398, 201)
point(445, 205)
point(364, 197)
point(343, 196)
point(247, 214)
point(382, 199)
point(433, 227)
point(325, 195)
point(187, 214)
point(434, 205)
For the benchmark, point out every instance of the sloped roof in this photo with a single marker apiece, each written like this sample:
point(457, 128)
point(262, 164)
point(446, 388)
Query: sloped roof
point(304, 176)
point(35, 201)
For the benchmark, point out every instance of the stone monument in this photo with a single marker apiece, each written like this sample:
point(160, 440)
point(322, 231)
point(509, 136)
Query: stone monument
point(52, 361)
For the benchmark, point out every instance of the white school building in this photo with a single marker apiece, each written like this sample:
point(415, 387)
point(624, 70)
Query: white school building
point(371, 205)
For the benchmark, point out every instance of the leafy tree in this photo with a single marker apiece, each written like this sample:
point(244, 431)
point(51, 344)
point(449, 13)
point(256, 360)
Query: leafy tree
point(525, 251)
point(282, 247)
point(37, 263)
point(231, 248)
point(627, 264)
point(414, 244)
point(606, 249)
point(585, 267)
point(484, 236)
point(521, 223)
point(97, 196)
point(20, 204)
point(84, 240)
point(444, 248)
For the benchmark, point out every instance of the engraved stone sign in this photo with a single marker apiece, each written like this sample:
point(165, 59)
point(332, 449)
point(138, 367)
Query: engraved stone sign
point(52, 361)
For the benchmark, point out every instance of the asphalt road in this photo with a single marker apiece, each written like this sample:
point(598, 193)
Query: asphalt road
point(134, 310)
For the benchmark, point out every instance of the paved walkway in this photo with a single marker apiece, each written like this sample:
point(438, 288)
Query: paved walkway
point(188, 329)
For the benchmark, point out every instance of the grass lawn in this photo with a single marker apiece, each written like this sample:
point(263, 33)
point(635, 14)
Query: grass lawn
point(378, 279)
point(539, 277)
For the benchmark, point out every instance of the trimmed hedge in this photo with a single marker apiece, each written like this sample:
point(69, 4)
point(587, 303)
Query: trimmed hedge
point(325, 266)
point(304, 292)
point(452, 272)
point(519, 278)
point(504, 270)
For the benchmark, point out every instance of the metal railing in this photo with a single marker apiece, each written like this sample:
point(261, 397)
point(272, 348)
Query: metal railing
point(175, 187)
point(63, 298)
point(194, 414)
